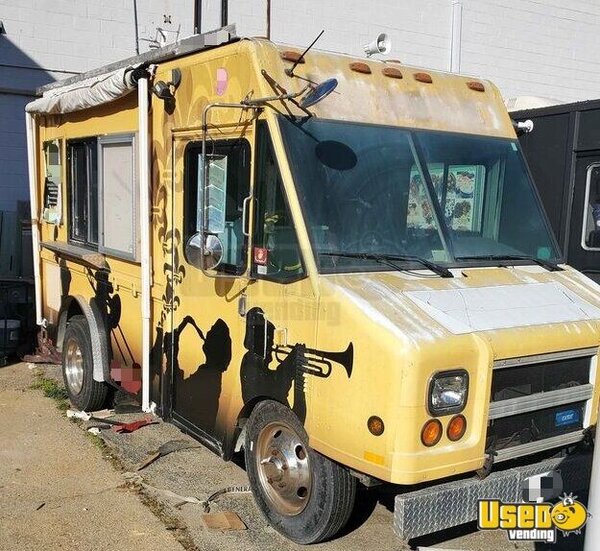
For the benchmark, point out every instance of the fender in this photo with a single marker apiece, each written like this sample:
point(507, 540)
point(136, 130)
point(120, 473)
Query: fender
point(98, 334)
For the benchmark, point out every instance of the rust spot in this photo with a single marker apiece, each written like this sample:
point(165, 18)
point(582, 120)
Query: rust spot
point(392, 72)
point(360, 67)
point(477, 86)
point(294, 57)
point(423, 77)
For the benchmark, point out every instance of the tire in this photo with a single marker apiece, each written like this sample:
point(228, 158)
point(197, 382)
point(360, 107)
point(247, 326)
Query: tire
point(303, 495)
point(77, 367)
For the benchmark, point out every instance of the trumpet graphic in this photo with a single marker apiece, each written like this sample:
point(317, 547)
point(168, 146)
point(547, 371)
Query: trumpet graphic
point(317, 362)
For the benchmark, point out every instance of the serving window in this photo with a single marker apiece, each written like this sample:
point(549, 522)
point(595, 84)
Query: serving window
point(52, 212)
point(119, 212)
point(102, 195)
point(83, 192)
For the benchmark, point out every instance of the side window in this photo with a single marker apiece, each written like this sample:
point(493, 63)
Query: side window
point(276, 253)
point(590, 237)
point(52, 182)
point(83, 192)
point(119, 219)
point(102, 196)
point(228, 164)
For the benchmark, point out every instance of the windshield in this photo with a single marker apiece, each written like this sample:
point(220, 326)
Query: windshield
point(435, 195)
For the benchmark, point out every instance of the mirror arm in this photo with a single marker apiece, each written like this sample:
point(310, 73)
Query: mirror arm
point(259, 102)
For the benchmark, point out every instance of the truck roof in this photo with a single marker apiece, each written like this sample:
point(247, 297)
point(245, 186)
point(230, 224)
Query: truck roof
point(185, 46)
point(369, 90)
point(388, 92)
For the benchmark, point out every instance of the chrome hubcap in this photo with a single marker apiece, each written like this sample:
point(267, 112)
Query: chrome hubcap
point(283, 468)
point(74, 366)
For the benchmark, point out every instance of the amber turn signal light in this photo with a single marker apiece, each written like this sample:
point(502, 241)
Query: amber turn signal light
point(431, 432)
point(375, 425)
point(456, 428)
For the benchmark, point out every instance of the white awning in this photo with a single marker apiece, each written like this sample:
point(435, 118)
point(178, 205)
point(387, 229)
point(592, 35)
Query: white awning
point(85, 94)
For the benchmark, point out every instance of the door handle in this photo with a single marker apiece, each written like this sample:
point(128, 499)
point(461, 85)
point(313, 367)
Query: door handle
point(245, 204)
point(242, 305)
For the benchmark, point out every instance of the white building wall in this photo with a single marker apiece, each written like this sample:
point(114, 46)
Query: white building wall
point(52, 39)
point(78, 35)
point(547, 48)
point(535, 47)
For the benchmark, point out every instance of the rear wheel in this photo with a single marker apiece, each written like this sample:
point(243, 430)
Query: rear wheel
point(78, 368)
point(303, 495)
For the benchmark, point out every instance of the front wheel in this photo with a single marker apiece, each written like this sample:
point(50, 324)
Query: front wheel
point(78, 371)
point(304, 496)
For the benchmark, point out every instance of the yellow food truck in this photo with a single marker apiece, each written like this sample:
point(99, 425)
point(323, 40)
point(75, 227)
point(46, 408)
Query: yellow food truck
point(338, 265)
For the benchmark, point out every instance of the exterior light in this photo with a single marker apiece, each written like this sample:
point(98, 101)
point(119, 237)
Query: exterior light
point(456, 428)
point(431, 432)
point(448, 392)
point(375, 425)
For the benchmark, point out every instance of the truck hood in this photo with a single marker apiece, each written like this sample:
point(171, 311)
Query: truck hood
point(475, 300)
point(503, 306)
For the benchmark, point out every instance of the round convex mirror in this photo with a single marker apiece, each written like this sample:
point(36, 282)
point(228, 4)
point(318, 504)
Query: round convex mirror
point(319, 92)
point(213, 251)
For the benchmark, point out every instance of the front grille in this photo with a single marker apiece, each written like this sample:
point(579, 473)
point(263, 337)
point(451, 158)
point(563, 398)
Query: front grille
point(524, 428)
point(539, 402)
point(525, 380)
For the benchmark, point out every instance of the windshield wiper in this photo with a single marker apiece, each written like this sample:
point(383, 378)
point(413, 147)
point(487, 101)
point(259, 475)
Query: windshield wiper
point(550, 266)
point(389, 260)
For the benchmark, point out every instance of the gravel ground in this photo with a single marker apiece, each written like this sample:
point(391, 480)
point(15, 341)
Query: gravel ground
point(192, 472)
point(56, 489)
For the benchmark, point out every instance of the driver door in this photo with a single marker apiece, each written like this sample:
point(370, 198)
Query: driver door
point(206, 325)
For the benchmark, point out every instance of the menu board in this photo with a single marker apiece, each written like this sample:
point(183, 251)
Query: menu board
point(461, 197)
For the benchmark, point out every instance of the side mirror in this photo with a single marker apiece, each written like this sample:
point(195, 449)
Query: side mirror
point(205, 258)
point(319, 92)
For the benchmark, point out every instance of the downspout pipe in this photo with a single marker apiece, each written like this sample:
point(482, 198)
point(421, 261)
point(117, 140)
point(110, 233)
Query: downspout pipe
point(33, 201)
point(146, 264)
point(456, 36)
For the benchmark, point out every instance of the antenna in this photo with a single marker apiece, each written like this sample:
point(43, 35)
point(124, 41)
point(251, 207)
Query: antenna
point(290, 72)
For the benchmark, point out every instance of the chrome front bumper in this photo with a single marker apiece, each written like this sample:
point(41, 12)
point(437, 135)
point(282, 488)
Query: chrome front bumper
point(450, 504)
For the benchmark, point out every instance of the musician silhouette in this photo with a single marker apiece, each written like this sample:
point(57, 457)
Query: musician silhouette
point(197, 397)
point(258, 379)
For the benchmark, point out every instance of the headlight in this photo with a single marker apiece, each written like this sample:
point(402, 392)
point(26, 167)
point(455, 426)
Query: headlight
point(448, 392)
